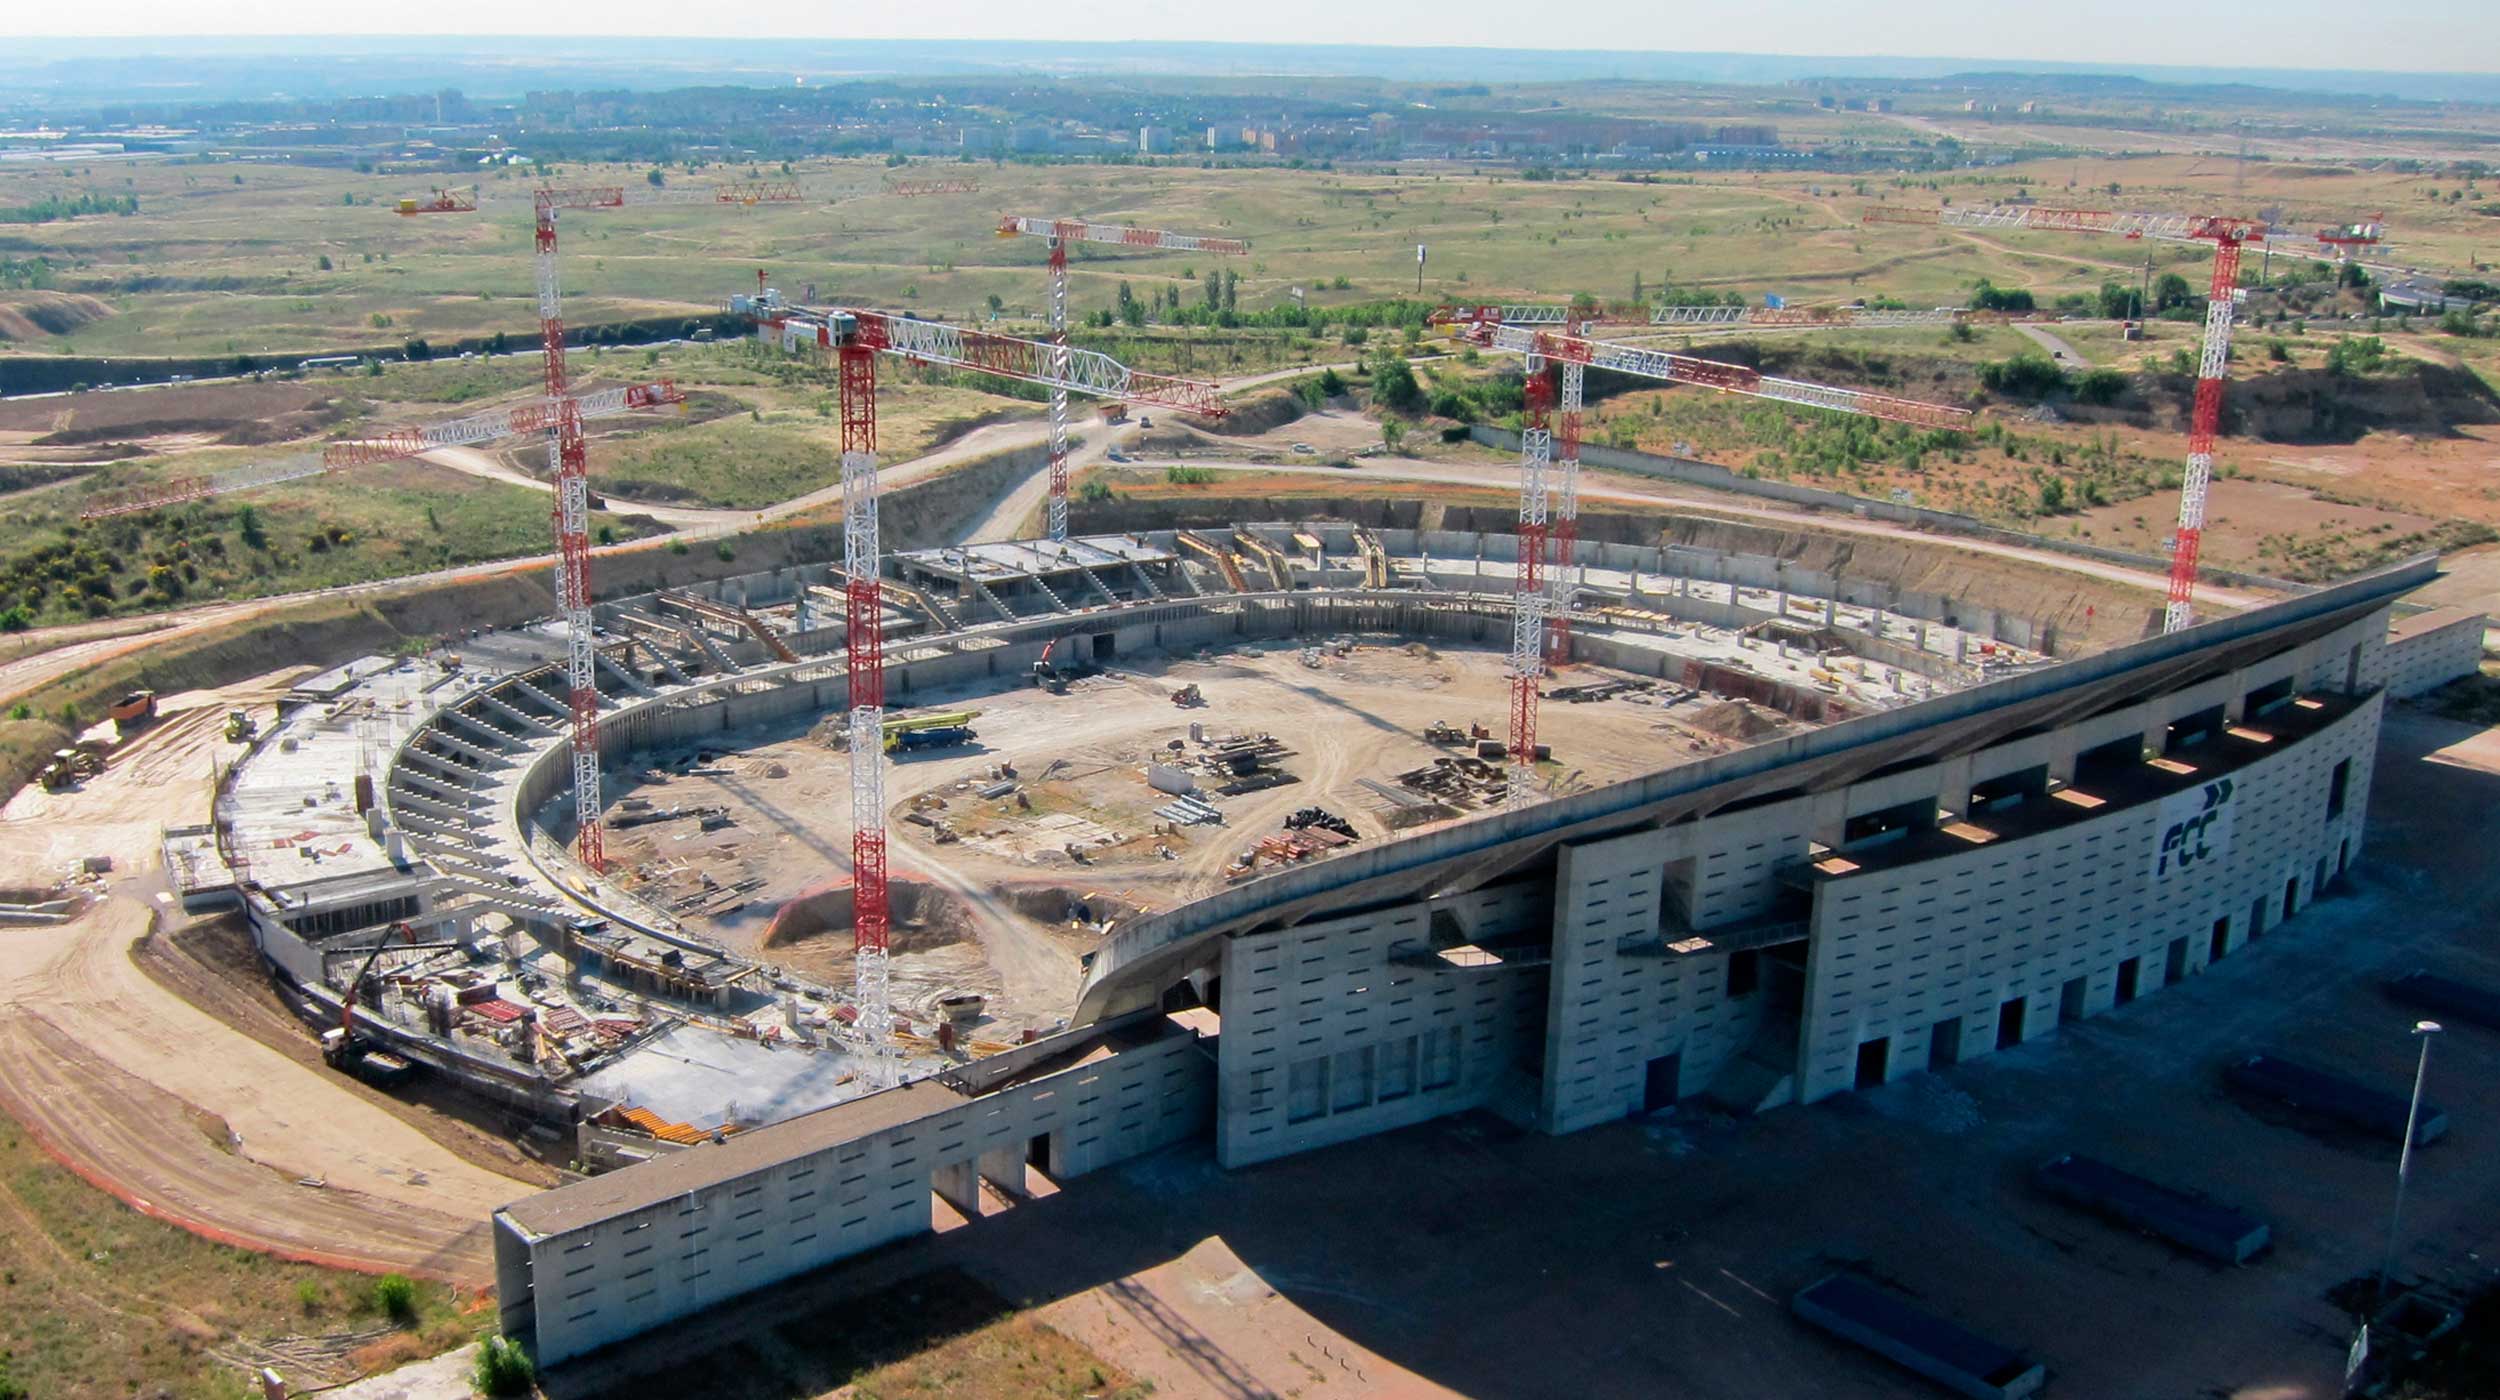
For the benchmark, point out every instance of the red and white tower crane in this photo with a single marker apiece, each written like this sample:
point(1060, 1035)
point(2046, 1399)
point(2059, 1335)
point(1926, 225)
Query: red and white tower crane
point(1060, 233)
point(1531, 596)
point(855, 338)
point(2228, 235)
point(570, 458)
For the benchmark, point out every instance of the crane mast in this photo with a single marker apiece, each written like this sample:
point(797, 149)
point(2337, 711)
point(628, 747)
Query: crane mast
point(1528, 600)
point(1060, 233)
point(863, 643)
point(2228, 236)
point(856, 338)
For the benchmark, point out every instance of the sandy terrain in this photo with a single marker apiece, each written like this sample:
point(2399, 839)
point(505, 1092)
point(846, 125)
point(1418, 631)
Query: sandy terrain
point(168, 1105)
point(1079, 760)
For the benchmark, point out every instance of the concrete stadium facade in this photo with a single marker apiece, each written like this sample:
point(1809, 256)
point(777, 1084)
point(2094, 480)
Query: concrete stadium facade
point(1905, 890)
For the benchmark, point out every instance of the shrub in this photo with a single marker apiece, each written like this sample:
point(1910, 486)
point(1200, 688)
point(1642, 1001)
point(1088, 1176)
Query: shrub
point(308, 1296)
point(2100, 386)
point(2024, 376)
point(1189, 476)
point(395, 1297)
point(502, 1368)
point(725, 551)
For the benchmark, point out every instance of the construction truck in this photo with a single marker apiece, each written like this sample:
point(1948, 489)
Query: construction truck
point(133, 712)
point(1189, 696)
point(68, 766)
point(345, 1049)
point(1047, 676)
point(240, 727)
point(944, 729)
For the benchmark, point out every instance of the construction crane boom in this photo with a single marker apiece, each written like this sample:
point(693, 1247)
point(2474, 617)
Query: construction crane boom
point(569, 454)
point(1079, 231)
point(1673, 368)
point(2337, 241)
point(915, 189)
point(527, 417)
point(1060, 233)
point(1087, 372)
point(534, 416)
point(2228, 235)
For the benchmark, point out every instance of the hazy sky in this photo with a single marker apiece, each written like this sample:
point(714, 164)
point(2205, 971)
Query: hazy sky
point(2415, 35)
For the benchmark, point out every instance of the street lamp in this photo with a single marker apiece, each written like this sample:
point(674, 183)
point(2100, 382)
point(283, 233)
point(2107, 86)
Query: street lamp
point(2422, 1031)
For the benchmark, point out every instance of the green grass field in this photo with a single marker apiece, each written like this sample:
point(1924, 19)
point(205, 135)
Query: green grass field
point(211, 266)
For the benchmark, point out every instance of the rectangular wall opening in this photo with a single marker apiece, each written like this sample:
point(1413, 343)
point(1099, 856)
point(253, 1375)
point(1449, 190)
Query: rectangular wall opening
point(2291, 896)
point(2343, 856)
point(1874, 1061)
point(1744, 972)
point(2188, 731)
point(1872, 829)
point(2266, 699)
point(1037, 1152)
point(2222, 941)
point(1944, 1043)
point(2336, 786)
point(2256, 917)
point(2130, 977)
point(2011, 790)
point(2070, 999)
point(1660, 1088)
point(2174, 962)
point(2010, 1024)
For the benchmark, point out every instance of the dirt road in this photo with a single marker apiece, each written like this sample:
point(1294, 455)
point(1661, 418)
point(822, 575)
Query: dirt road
point(171, 1108)
point(1616, 486)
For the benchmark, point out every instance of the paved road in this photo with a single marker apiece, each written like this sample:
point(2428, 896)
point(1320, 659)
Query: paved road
point(2048, 340)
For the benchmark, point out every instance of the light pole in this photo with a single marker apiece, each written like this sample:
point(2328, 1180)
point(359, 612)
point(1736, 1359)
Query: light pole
point(2422, 1031)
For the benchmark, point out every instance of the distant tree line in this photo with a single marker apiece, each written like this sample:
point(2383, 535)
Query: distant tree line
point(52, 207)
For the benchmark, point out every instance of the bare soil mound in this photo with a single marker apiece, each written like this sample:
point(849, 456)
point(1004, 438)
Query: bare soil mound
point(1738, 719)
point(813, 931)
point(33, 315)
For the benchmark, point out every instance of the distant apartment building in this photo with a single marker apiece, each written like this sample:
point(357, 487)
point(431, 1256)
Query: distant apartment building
point(1154, 140)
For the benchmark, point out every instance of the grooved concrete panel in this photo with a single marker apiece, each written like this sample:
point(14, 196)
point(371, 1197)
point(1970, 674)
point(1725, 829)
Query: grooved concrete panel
point(2055, 917)
point(575, 1274)
point(1327, 1037)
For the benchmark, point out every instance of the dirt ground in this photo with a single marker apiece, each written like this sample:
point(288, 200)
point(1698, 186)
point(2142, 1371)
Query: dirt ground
point(113, 1071)
point(1656, 1257)
point(1079, 761)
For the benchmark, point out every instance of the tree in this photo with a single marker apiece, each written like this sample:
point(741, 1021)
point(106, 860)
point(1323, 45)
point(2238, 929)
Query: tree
point(1331, 383)
point(1214, 290)
point(503, 1368)
point(1638, 296)
point(1987, 296)
point(1132, 310)
point(657, 177)
point(1393, 384)
point(395, 1296)
point(247, 523)
point(323, 262)
point(1232, 284)
point(418, 349)
point(1393, 433)
point(2116, 303)
point(2172, 290)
